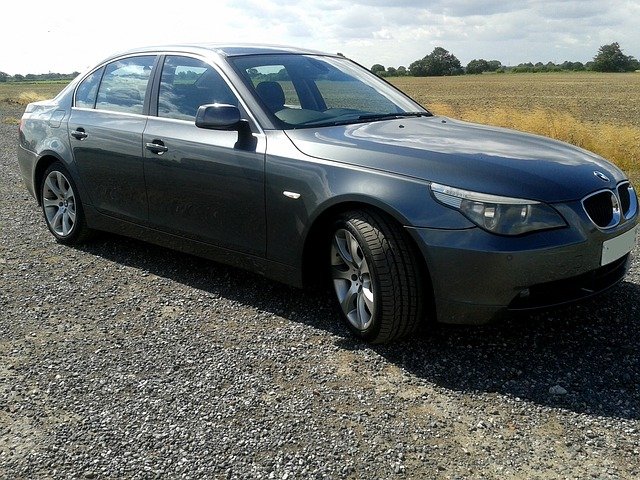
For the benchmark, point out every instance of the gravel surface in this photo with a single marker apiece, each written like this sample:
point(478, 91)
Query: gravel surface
point(125, 360)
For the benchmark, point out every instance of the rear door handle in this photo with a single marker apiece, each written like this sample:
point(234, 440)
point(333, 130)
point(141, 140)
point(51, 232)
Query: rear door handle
point(157, 146)
point(79, 133)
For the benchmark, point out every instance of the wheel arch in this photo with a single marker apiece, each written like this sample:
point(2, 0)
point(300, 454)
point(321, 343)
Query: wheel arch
point(317, 238)
point(45, 161)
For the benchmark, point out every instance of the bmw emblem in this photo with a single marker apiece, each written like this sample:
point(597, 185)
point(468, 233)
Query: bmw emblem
point(601, 176)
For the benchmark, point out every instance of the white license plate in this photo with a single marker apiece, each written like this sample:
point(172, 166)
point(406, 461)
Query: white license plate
point(618, 247)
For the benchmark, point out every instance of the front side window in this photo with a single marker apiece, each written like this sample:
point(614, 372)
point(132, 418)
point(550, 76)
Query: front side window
point(186, 84)
point(124, 85)
point(311, 90)
point(88, 90)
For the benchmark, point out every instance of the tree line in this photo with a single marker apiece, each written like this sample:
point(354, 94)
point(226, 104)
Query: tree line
point(441, 62)
point(42, 77)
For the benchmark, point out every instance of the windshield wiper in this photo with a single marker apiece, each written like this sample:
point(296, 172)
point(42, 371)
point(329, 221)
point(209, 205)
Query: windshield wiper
point(385, 116)
point(365, 118)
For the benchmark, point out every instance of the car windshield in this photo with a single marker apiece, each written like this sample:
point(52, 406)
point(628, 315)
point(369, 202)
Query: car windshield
point(303, 91)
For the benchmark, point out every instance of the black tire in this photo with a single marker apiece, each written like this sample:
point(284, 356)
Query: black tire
point(62, 207)
point(376, 280)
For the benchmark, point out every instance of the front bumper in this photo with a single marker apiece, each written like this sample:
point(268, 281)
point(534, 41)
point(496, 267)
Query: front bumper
point(477, 276)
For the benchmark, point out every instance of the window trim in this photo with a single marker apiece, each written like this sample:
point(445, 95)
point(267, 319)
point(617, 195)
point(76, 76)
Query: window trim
point(151, 96)
point(103, 67)
point(145, 106)
point(146, 91)
point(155, 94)
point(256, 128)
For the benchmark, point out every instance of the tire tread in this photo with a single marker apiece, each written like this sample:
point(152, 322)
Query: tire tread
point(399, 278)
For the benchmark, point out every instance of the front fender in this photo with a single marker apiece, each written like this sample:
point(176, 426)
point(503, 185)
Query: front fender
point(322, 185)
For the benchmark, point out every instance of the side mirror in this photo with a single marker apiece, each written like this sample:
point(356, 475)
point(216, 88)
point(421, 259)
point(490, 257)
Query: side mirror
point(218, 116)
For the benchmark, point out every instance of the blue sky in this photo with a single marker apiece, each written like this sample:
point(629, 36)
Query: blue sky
point(57, 37)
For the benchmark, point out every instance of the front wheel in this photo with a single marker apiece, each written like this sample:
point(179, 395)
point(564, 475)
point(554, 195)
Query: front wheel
point(375, 277)
point(62, 207)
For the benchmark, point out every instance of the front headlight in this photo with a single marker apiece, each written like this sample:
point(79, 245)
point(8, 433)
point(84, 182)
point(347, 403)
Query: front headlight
point(496, 214)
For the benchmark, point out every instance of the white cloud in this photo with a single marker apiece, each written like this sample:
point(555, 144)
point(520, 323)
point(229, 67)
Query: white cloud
point(369, 31)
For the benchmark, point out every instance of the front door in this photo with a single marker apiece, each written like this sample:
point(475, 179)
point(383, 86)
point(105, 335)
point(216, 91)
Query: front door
point(200, 183)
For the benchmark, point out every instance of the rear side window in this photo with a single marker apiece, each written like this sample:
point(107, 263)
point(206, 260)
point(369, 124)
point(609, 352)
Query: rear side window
point(188, 83)
point(124, 85)
point(88, 90)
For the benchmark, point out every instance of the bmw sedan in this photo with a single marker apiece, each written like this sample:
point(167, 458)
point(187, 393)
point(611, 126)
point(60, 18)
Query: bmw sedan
point(310, 170)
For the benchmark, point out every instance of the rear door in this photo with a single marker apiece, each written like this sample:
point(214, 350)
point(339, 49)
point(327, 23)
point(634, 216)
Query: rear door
point(105, 128)
point(202, 184)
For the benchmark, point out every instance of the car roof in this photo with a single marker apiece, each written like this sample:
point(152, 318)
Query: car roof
point(225, 49)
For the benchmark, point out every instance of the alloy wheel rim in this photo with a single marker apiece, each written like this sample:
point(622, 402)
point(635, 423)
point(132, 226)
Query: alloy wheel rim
point(59, 202)
point(352, 280)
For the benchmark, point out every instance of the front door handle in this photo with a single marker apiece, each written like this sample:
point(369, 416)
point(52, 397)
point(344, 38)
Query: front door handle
point(157, 146)
point(79, 133)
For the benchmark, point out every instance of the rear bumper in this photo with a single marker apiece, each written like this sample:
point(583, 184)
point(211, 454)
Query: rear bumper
point(27, 162)
point(477, 276)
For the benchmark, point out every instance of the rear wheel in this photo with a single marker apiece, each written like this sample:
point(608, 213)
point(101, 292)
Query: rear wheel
point(375, 277)
point(62, 207)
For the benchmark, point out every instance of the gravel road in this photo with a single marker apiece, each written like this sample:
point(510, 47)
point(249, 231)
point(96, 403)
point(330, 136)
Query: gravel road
point(125, 360)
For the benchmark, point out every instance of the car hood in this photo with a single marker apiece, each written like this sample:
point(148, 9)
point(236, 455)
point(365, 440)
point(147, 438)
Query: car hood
point(464, 155)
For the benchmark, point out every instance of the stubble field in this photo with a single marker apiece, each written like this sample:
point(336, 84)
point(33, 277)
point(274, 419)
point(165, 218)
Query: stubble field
point(589, 97)
point(596, 111)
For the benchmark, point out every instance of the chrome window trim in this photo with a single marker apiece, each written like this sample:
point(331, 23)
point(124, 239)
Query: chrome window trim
point(104, 64)
point(110, 112)
point(157, 53)
point(224, 77)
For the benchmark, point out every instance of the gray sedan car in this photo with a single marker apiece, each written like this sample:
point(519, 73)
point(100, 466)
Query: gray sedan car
point(308, 169)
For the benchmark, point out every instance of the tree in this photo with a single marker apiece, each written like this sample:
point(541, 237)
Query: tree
point(438, 63)
point(378, 69)
point(402, 71)
point(282, 75)
point(3, 77)
point(392, 72)
point(477, 66)
point(494, 65)
point(611, 59)
point(418, 69)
